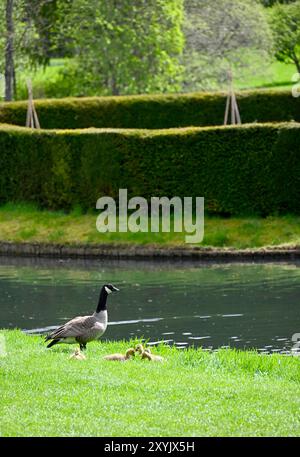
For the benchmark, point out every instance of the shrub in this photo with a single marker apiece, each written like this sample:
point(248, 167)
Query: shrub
point(238, 169)
point(154, 111)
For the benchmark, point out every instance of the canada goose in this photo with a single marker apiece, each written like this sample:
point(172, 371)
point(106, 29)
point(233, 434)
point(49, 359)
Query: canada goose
point(78, 355)
point(121, 357)
point(146, 354)
point(83, 329)
point(139, 348)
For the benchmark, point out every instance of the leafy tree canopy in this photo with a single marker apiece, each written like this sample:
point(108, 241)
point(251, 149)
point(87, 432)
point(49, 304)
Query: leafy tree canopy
point(285, 25)
point(127, 46)
point(223, 35)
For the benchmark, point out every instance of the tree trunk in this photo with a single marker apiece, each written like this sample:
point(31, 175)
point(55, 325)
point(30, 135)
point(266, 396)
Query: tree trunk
point(14, 82)
point(297, 65)
point(114, 87)
point(293, 55)
point(9, 51)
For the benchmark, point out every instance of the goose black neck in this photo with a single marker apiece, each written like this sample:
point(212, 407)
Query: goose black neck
point(102, 301)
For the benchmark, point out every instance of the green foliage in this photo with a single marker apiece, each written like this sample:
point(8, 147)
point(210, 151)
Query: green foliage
point(126, 47)
point(57, 80)
point(138, 46)
point(224, 35)
point(155, 111)
point(268, 3)
point(118, 47)
point(35, 35)
point(285, 25)
point(239, 170)
point(42, 17)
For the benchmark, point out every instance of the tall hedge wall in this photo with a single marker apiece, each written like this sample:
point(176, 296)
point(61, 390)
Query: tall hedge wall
point(248, 169)
point(155, 111)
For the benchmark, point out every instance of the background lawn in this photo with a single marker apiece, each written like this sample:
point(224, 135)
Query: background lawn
point(50, 82)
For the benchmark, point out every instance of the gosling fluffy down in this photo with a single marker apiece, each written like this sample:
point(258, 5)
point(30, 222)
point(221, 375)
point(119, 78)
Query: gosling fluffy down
point(78, 355)
point(146, 354)
point(121, 357)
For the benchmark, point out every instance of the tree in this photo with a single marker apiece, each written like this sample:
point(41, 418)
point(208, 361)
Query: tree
point(9, 50)
point(28, 37)
point(120, 46)
point(127, 46)
point(285, 26)
point(43, 18)
point(268, 3)
point(221, 35)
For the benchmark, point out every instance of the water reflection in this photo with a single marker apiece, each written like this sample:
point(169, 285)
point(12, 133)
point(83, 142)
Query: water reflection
point(182, 303)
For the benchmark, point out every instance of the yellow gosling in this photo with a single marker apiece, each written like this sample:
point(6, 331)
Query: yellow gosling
point(139, 348)
point(78, 355)
point(146, 354)
point(121, 357)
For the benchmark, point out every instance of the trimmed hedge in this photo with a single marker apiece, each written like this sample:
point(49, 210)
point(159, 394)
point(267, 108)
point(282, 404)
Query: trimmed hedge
point(155, 111)
point(238, 169)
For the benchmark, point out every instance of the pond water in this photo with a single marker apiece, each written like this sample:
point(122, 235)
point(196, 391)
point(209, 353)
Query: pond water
point(183, 303)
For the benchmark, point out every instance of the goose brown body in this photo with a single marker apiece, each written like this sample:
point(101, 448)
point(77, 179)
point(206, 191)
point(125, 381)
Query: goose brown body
point(83, 329)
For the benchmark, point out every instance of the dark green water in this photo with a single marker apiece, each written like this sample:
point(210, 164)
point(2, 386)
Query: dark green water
point(209, 305)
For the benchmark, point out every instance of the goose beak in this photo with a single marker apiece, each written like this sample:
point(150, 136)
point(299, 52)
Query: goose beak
point(115, 289)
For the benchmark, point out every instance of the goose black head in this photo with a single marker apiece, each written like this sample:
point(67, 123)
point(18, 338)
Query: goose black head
point(109, 288)
point(105, 291)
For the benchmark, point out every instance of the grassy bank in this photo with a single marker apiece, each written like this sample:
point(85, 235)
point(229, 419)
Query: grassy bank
point(26, 223)
point(194, 393)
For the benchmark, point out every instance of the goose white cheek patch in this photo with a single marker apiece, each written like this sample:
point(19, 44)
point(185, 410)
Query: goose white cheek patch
point(108, 290)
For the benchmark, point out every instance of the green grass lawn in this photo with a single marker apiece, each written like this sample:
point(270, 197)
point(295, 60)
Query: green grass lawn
point(278, 76)
point(26, 223)
point(194, 393)
point(50, 82)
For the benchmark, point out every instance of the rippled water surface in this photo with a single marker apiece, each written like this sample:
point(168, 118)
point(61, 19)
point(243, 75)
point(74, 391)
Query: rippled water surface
point(209, 305)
